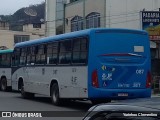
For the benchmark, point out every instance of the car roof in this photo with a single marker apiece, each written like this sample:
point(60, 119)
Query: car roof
point(145, 104)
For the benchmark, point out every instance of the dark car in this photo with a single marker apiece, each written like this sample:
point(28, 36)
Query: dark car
point(139, 109)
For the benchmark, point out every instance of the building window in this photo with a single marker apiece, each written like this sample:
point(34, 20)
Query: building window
point(37, 25)
point(76, 23)
point(93, 20)
point(20, 38)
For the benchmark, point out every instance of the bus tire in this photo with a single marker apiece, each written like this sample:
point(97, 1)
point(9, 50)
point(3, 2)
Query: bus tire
point(3, 84)
point(55, 94)
point(26, 95)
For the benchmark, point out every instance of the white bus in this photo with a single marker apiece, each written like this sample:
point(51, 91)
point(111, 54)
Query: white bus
point(5, 69)
point(94, 64)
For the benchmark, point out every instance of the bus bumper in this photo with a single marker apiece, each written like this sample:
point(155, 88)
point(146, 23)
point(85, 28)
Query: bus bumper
point(116, 94)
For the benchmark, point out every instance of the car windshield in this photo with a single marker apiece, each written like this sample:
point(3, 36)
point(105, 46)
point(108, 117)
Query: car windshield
point(125, 116)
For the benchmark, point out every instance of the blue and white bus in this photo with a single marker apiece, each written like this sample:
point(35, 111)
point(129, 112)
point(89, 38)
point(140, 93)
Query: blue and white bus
point(95, 64)
point(5, 69)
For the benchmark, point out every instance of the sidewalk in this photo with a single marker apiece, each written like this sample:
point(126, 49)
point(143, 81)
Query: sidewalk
point(155, 95)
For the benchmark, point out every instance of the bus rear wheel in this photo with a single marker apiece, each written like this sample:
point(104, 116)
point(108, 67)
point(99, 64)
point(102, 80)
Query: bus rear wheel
point(55, 94)
point(3, 84)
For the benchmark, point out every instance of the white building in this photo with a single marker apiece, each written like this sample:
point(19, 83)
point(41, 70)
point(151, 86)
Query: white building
point(83, 14)
point(54, 16)
point(112, 13)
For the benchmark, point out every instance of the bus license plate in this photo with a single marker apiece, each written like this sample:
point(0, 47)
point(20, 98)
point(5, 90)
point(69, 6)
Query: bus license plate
point(123, 94)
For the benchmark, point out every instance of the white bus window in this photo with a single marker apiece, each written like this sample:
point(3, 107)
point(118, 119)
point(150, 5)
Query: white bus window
point(5, 60)
point(23, 56)
point(33, 59)
point(76, 44)
point(83, 57)
point(65, 52)
point(84, 44)
point(40, 54)
point(52, 53)
point(79, 51)
point(31, 55)
point(15, 57)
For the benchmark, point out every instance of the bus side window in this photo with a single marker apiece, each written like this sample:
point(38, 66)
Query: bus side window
point(65, 52)
point(8, 60)
point(76, 50)
point(28, 55)
point(40, 54)
point(4, 58)
point(16, 56)
point(33, 55)
point(52, 53)
point(0, 60)
point(80, 50)
point(84, 50)
point(23, 56)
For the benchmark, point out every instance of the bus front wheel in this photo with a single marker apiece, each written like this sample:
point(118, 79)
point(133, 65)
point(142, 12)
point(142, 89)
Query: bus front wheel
point(3, 84)
point(55, 94)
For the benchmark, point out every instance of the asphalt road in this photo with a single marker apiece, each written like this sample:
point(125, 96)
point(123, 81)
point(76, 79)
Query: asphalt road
point(12, 101)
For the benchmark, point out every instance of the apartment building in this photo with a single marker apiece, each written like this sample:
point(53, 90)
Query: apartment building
point(9, 38)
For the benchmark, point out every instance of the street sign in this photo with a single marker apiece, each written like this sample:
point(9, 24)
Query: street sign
point(151, 23)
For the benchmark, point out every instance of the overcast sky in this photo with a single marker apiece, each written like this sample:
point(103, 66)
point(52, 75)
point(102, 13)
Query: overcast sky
point(8, 7)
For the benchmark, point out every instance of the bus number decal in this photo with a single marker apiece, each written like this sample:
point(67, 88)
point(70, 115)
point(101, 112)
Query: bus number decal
point(136, 84)
point(74, 80)
point(74, 69)
point(55, 71)
point(120, 85)
point(139, 71)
